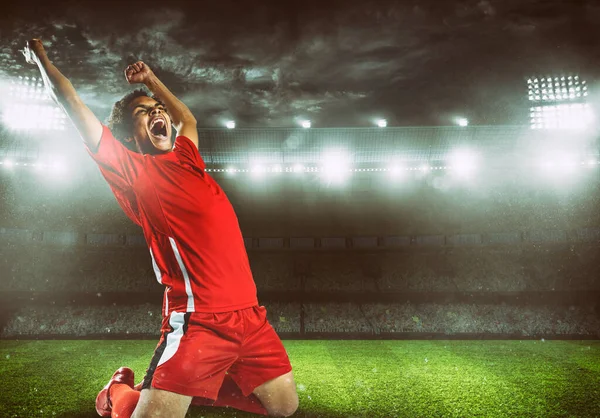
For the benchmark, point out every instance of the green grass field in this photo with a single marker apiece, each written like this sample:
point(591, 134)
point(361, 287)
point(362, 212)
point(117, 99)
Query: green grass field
point(336, 378)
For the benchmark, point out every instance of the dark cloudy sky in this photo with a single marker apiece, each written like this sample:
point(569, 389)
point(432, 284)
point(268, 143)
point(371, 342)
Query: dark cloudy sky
point(338, 63)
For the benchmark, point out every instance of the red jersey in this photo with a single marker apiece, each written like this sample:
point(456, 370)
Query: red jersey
point(190, 227)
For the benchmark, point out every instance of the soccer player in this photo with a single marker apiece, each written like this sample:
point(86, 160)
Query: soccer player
point(216, 346)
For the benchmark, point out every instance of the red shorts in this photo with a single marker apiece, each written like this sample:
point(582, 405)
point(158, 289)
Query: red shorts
point(197, 349)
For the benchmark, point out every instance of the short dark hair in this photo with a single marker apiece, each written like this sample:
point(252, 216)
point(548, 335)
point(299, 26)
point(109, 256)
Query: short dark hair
point(119, 121)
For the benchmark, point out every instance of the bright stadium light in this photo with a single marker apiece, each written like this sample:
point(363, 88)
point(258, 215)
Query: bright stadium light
point(575, 116)
point(230, 171)
point(277, 168)
point(230, 124)
point(7, 163)
point(28, 89)
point(567, 164)
point(395, 171)
point(298, 168)
point(462, 162)
point(57, 167)
point(557, 89)
point(559, 165)
point(258, 171)
point(382, 123)
point(335, 165)
point(31, 107)
point(305, 124)
point(462, 122)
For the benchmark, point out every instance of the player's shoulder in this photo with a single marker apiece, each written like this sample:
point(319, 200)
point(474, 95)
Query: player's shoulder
point(188, 151)
point(183, 141)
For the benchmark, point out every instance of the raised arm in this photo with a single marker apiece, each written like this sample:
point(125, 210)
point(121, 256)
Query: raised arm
point(183, 120)
point(64, 95)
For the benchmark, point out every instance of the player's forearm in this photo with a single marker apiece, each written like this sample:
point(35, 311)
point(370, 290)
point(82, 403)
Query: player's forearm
point(178, 111)
point(60, 88)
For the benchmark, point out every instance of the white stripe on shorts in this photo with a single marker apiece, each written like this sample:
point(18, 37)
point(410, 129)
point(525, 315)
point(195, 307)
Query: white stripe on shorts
point(177, 321)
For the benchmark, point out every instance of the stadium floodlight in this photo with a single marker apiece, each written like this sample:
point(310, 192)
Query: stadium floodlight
point(28, 89)
point(258, 170)
point(462, 162)
point(566, 88)
point(335, 165)
point(575, 116)
point(298, 168)
point(230, 171)
point(22, 116)
point(305, 124)
point(230, 124)
point(462, 122)
point(276, 168)
point(31, 107)
point(395, 171)
point(382, 123)
point(7, 163)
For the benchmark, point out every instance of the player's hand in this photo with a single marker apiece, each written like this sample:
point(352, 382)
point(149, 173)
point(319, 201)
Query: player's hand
point(33, 51)
point(138, 73)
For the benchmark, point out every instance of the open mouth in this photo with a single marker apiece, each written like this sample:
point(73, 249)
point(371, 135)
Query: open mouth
point(158, 128)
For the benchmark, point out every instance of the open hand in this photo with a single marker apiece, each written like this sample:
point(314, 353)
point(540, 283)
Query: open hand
point(138, 73)
point(33, 51)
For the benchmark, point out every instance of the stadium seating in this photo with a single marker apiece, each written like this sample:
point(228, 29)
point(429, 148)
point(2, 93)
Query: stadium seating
point(328, 318)
point(38, 268)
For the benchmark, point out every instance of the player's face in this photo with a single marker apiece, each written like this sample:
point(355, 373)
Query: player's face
point(151, 126)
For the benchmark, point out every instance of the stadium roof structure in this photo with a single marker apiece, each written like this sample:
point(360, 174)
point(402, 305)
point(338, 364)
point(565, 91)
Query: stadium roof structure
point(375, 145)
point(223, 147)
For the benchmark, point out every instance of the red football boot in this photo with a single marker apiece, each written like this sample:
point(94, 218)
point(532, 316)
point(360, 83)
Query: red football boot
point(103, 404)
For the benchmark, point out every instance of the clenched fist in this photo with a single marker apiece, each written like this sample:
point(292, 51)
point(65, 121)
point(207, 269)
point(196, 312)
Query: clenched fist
point(138, 73)
point(33, 51)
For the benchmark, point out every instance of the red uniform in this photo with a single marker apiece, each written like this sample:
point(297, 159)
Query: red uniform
point(198, 254)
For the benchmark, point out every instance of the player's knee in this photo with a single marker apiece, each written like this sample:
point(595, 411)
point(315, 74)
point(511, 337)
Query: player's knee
point(292, 408)
point(286, 408)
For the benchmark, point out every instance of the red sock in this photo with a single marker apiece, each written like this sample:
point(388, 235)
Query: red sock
point(124, 400)
point(230, 395)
